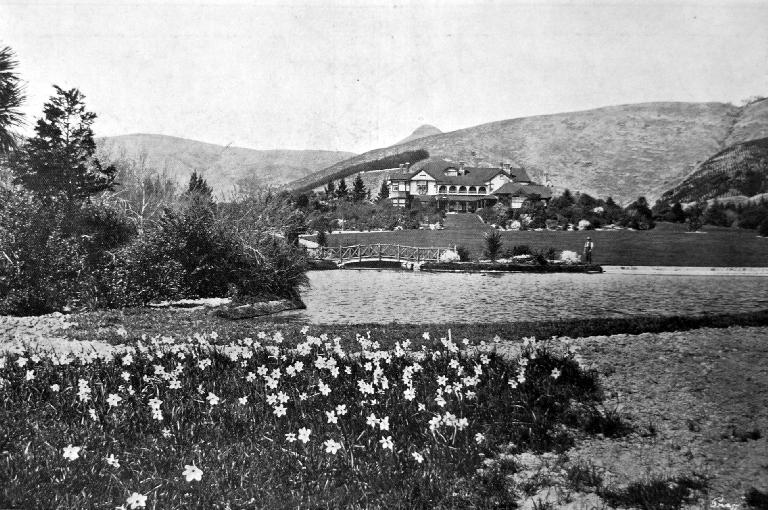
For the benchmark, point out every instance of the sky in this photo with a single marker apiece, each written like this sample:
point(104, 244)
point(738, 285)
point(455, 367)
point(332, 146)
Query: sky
point(357, 75)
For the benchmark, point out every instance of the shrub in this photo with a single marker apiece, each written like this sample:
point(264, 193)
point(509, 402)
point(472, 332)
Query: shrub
point(657, 493)
point(493, 244)
point(763, 228)
point(449, 256)
point(321, 238)
point(522, 249)
point(56, 254)
point(463, 252)
point(756, 499)
point(194, 253)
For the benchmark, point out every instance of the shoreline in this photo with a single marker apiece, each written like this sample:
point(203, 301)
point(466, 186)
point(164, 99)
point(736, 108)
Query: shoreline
point(687, 270)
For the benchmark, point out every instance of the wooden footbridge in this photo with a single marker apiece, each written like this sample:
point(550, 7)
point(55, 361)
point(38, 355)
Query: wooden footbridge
point(344, 255)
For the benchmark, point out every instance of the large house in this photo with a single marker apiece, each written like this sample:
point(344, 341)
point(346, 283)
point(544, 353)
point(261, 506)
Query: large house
point(454, 187)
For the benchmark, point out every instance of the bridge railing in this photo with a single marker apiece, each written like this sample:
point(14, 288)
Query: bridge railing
point(381, 252)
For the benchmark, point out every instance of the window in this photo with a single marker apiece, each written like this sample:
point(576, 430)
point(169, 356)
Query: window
point(462, 190)
point(452, 189)
point(481, 190)
point(421, 188)
point(442, 189)
point(472, 190)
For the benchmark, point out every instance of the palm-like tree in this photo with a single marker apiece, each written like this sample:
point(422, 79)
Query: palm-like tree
point(11, 98)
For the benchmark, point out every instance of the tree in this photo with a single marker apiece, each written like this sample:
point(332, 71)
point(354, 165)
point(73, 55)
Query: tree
point(11, 98)
point(493, 244)
point(198, 187)
point(60, 159)
point(330, 189)
point(677, 215)
point(321, 238)
point(383, 191)
point(358, 189)
point(341, 189)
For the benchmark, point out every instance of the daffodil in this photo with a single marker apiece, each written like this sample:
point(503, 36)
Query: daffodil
point(136, 500)
point(113, 399)
point(304, 434)
point(332, 446)
point(112, 461)
point(192, 472)
point(386, 443)
point(71, 452)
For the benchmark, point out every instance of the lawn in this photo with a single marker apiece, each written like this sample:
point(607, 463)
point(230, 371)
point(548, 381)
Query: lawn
point(666, 245)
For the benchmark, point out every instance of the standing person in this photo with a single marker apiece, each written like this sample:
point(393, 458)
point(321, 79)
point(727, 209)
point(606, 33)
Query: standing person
point(588, 247)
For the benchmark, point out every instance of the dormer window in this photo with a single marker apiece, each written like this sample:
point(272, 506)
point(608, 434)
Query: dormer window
point(451, 172)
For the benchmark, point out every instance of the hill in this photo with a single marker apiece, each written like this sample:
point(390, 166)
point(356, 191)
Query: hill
point(222, 166)
point(420, 132)
point(737, 172)
point(619, 151)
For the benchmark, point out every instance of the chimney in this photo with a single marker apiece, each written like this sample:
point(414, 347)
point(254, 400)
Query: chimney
point(507, 167)
point(461, 167)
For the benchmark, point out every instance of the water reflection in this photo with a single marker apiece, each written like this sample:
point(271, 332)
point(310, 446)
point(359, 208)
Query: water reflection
point(356, 296)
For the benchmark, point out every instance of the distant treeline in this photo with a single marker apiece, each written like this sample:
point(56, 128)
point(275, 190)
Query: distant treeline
point(740, 169)
point(376, 164)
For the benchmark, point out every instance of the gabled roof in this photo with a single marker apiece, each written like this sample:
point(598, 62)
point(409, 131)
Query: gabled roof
point(519, 175)
point(436, 167)
point(515, 189)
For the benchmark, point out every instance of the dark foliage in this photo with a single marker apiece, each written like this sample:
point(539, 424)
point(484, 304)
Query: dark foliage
point(383, 191)
point(60, 158)
point(756, 499)
point(463, 253)
point(11, 99)
point(341, 189)
point(493, 244)
point(657, 493)
point(198, 188)
point(359, 193)
point(377, 164)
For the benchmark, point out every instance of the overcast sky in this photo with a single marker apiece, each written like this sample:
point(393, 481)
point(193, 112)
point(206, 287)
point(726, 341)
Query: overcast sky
point(360, 75)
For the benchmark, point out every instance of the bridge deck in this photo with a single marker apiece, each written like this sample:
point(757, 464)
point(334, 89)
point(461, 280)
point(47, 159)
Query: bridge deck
point(369, 252)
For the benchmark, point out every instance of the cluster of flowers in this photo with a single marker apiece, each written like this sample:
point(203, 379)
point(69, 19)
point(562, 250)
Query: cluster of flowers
point(402, 401)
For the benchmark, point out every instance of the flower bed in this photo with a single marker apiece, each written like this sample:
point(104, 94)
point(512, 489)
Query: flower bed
point(282, 422)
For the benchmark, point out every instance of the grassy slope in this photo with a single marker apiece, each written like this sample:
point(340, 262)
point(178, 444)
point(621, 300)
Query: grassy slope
point(724, 174)
point(620, 151)
point(221, 166)
point(666, 245)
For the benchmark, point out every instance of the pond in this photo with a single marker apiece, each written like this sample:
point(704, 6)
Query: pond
point(383, 296)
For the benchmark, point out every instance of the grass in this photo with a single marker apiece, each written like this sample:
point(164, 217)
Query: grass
point(666, 245)
point(102, 326)
point(657, 493)
point(187, 425)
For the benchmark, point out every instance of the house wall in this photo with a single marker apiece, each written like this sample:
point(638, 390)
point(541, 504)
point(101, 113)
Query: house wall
point(497, 182)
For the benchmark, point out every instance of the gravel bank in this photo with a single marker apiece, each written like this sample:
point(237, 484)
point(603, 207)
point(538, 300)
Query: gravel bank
point(704, 392)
